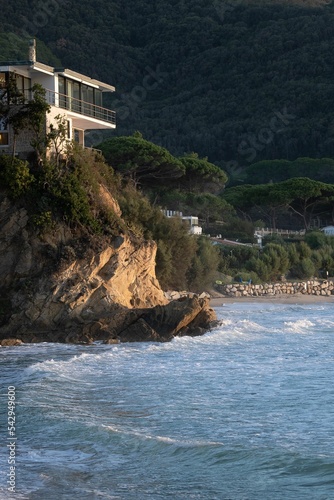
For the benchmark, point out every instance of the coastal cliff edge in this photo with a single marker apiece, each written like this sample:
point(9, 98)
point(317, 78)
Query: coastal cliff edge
point(65, 285)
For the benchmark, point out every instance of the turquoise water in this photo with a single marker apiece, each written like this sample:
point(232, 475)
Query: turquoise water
point(244, 412)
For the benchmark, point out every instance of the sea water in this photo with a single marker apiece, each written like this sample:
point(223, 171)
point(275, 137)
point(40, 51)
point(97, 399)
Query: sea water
point(243, 412)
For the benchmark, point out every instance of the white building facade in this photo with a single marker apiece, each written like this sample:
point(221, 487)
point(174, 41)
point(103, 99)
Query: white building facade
point(75, 97)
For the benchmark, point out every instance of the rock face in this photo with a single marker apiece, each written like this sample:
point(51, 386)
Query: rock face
point(67, 286)
point(186, 316)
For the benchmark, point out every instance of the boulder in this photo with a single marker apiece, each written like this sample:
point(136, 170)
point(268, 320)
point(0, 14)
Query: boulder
point(186, 316)
point(10, 342)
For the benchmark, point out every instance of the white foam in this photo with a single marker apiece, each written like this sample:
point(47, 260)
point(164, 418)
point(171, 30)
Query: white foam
point(164, 439)
point(71, 369)
point(299, 326)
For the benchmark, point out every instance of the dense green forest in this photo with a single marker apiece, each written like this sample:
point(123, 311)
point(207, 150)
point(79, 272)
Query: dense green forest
point(237, 82)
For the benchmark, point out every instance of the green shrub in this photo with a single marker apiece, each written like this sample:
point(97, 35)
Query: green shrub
point(70, 190)
point(43, 220)
point(304, 269)
point(15, 175)
point(315, 239)
point(204, 265)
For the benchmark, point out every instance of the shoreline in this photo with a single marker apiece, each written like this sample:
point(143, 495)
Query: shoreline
point(275, 299)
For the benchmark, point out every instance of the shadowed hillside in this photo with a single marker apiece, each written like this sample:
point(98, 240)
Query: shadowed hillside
point(238, 82)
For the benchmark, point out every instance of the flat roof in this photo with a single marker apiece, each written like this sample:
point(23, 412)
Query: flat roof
point(44, 68)
point(84, 78)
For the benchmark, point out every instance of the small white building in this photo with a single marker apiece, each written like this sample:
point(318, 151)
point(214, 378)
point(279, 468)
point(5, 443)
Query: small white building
point(193, 223)
point(75, 97)
point(194, 228)
point(259, 238)
point(328, 230)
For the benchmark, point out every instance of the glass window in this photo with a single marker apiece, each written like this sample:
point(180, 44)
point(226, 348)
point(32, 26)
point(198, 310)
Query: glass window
point(98, 97)
point(76, 97)
point(20, 83)
point(3, 85)
point(23, 85)
point(27, 83)
point(3, 138)
point(3, 132)
point(3, 124)
point(78, 136)
point(76, 90)
point(89, 108)
point(61, 85)
point(3, 80)
point(90, 95)
point(69, 93)
point(84, 96)
point(62, 91)
point(84, 93)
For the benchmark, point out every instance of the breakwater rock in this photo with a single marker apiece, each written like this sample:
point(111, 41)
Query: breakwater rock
point(311, 287)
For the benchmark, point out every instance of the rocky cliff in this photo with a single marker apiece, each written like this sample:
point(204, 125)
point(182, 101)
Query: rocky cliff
point(68, 286)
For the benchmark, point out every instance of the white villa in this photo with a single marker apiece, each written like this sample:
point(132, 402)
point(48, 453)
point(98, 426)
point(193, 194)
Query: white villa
point(75, 97)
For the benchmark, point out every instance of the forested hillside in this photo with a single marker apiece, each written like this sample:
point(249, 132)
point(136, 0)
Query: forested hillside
point(237, 82)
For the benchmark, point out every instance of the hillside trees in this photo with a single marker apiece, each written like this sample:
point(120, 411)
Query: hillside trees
point(294, 261)
point(303, 195)
point(266, 171)
point(271, 264)
point(300, 196)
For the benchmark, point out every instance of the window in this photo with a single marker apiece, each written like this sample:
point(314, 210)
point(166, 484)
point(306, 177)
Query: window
point(62, 92)
point(23, 85)
point(2, 80)
point(84, 95)
point(3, 138)
point(3, 132)
point(98, 97)
point(78, 96)
point(78, 136)
point(69, 93)
point(20, 83)
point(3, 85)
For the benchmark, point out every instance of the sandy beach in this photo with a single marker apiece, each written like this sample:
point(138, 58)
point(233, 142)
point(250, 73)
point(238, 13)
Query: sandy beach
point(275, 299)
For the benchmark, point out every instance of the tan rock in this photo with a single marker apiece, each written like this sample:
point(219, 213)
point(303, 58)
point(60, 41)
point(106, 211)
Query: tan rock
point(10, 342)
point(108, 200)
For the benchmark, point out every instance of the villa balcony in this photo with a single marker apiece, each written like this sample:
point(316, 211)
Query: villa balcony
point(85, 109)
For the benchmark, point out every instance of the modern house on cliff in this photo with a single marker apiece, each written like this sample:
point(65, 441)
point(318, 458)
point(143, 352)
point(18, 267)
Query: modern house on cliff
point(75, 97)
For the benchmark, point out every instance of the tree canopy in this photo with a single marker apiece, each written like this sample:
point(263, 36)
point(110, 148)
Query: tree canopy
point(141, 160)
point(201, 175)
point(262, 172)
point(299, 196)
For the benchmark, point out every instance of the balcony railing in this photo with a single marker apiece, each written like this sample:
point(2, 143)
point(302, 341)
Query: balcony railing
point(78, 106)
